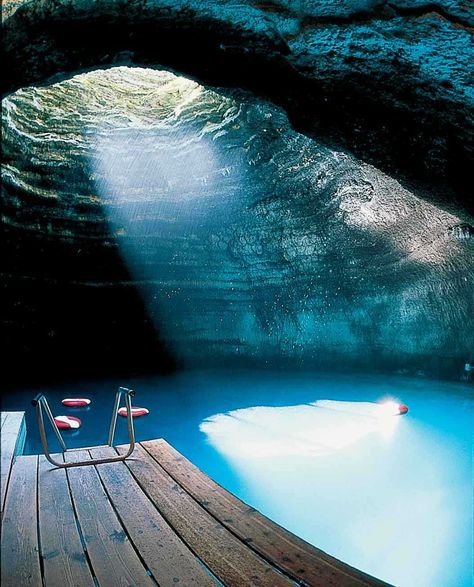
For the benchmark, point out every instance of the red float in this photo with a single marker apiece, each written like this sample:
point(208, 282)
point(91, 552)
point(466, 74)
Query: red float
point(76, 402)
point(136, 412)
point(392, 408)
point(67, 422)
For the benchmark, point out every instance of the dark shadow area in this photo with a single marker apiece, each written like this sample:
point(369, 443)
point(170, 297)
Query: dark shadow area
point(56, 328)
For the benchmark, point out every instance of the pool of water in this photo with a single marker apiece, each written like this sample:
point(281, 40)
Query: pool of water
point(390, 495)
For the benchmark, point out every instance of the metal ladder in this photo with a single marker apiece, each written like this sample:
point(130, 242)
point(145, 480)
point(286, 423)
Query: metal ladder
point(42, 407)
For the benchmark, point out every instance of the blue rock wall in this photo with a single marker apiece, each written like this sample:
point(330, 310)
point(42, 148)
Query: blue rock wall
point(246, 242)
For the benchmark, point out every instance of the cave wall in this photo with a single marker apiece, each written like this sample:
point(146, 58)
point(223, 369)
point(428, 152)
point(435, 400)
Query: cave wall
point(150, 222)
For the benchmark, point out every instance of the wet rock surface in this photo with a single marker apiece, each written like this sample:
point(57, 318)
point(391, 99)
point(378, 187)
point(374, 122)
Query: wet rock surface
point(390, 81)
point(151, 222)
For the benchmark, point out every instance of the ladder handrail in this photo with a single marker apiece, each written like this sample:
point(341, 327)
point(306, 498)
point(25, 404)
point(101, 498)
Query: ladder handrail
point(41, 403)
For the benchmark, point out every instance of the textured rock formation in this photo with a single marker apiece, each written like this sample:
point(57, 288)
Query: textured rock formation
point(390, 80)
point(246, 241)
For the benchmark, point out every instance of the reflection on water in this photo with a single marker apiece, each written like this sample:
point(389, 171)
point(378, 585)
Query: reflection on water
point(375, 488)
point(310, 429)
point(389, 495)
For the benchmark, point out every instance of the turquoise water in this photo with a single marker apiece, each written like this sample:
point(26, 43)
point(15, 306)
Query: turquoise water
point(390, 495)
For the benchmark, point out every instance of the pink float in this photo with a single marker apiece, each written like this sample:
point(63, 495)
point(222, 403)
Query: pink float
point(136, 412)
point(76, 402)
point(67, 422)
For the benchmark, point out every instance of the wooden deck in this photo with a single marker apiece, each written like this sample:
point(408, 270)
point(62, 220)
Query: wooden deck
point(12, 436)
point(155, 519)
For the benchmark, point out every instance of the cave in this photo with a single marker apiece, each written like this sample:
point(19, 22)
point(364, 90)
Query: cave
point(248, 212)
point(154, 223)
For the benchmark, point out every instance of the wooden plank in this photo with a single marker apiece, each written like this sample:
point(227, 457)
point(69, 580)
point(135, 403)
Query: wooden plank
point(12, 441)
point(228, 558)
point(20, 558)
point(112, 556)
point(21, 438)
point(3, 418)
point(14, 419)
point(291, 554)
point(64, 560)
point(167, 557)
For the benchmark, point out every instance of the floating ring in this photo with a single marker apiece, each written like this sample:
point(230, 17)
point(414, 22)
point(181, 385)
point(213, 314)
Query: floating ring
point(136, 412)
point(76, 402)
point(67, 422)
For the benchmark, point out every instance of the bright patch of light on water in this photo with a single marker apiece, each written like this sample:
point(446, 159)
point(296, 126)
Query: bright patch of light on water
point(380, 475)
point(389, 408)
point(311, 429)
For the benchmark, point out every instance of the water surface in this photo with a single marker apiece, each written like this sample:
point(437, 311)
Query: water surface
point(392, 496)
